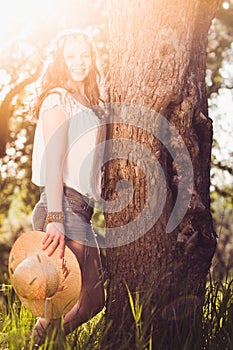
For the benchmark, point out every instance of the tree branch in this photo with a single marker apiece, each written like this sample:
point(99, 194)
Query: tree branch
point(6, 111)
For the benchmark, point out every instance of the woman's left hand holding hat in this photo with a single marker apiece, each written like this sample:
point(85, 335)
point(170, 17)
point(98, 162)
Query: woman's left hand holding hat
point(54, 238)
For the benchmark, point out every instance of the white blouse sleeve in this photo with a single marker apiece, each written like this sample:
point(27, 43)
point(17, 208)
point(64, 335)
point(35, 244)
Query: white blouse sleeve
point(54, 99)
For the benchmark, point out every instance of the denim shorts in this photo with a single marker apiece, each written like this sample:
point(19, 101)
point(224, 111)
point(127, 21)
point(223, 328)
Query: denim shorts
point(78, 210)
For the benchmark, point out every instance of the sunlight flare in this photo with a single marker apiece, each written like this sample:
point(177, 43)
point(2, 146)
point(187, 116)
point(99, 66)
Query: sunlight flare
point(15, 14)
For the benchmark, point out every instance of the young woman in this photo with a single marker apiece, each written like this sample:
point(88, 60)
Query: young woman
point(63, 166)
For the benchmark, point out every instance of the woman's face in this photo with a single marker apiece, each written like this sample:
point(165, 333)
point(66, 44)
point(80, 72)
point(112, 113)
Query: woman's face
point(78, 59)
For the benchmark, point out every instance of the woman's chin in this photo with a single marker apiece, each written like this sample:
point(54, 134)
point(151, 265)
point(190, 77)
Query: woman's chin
point(78, 77)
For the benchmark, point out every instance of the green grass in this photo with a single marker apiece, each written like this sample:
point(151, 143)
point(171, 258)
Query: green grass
point(16, 324)
point(218, 315)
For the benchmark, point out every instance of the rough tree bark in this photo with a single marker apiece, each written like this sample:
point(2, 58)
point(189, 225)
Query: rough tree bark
point(158, 61)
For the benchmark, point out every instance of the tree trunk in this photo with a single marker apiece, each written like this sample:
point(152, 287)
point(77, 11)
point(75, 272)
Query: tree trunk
point(160, 245)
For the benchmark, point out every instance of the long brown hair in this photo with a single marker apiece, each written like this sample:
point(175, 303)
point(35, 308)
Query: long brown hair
point(55, 73)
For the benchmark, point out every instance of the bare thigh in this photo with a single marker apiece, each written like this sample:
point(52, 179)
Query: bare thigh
point(90, 262)
point(91, 299)
point(79, 249)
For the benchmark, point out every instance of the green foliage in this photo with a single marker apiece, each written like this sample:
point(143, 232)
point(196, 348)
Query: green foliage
point(222, 211)
point(136, 308)
point(218, 315)
point(216, 331)
point(16, 322)
point(219, 79)
point(141, 327)
point(219, 49)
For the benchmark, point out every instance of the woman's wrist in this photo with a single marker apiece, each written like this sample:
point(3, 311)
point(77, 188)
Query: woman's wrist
point(55, 216)
point(57, 226)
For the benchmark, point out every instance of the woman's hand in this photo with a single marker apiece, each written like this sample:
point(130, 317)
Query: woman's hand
point(54, 238)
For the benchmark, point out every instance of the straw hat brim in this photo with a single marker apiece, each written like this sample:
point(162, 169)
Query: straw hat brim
point(70, 280)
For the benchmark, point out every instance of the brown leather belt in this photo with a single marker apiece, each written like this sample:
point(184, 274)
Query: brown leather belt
point(79, 203)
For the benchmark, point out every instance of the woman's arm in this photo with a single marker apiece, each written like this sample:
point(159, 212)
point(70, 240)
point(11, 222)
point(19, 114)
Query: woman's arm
point(55, 131)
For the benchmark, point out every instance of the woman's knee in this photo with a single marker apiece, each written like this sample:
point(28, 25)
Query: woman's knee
point(95, 302)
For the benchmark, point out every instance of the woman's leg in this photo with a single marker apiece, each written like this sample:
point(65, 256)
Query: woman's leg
point(91, 299)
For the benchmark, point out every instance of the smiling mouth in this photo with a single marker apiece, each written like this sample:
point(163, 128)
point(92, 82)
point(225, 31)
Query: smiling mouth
point(78, 71)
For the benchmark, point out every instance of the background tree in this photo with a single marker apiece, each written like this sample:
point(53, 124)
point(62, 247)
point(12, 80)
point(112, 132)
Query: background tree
point(219, 81)
point(158, 60)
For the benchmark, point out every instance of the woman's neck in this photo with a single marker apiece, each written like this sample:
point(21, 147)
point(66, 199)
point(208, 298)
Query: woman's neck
point(81, 97)
point(78, 92)
point(77, 87)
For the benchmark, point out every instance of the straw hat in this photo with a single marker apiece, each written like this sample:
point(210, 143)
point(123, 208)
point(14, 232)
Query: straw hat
point(47, 286)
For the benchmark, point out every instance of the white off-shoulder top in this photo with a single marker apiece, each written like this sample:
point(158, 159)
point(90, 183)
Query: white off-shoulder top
point(82, 134)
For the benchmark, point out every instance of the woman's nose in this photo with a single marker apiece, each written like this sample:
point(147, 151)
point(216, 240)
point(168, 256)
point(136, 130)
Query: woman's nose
point(78, 59)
